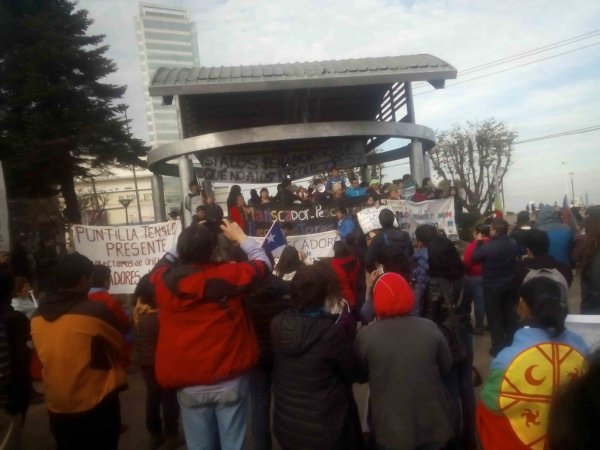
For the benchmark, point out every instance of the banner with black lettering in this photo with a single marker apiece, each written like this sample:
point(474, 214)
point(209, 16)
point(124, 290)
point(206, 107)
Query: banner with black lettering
point(318, 245)
point(129, 251)
point(260, 167)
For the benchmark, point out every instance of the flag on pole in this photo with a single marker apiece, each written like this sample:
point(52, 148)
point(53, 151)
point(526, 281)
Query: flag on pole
point(498, 206)
point(566, 211)
point(274, 240)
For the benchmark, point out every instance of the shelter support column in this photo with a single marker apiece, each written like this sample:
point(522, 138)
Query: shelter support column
point(417, 164)
point(427, 161)
point(158, 198)
point(186, 174)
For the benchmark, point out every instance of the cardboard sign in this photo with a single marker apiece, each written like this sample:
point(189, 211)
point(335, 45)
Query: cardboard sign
point(368, 219)
point(4, 221)
point(129, 251)
point(257, 167)
point(318, 245)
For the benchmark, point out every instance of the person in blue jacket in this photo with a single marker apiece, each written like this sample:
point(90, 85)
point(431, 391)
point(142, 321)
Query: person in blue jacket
point(345, 223)
point(355, 189)
point(562, 239)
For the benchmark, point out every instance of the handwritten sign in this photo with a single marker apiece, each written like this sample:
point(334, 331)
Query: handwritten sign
point(4, 229)
point(368, 219)
point(257, 167)
point(129, 251)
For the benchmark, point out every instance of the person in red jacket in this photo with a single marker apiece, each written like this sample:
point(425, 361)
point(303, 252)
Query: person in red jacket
point(206, 343)
point(474, 271)
point(347, 269)
point(101, 281)
point(239, 212)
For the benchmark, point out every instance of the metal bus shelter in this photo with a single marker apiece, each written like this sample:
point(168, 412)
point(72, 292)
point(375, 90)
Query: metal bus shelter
point(295, 108)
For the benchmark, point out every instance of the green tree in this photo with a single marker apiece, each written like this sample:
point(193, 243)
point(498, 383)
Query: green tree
point(475, 158)
point(58, 119)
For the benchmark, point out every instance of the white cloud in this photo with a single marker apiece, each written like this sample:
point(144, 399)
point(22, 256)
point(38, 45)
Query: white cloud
point(543, 98)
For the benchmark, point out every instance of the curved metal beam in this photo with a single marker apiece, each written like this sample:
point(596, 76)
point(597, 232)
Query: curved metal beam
point(158, 157)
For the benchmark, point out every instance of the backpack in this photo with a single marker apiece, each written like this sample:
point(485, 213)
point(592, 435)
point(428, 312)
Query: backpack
point(451, 323)
point(555, 276)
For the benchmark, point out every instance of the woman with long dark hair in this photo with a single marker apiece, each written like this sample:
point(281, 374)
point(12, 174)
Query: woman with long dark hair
point(314, 368)
point(525, 376)
point(289, 262)
point(447, 303)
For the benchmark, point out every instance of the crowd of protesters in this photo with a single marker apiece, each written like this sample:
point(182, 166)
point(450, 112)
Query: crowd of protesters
point(335, 190)
point(234, 345)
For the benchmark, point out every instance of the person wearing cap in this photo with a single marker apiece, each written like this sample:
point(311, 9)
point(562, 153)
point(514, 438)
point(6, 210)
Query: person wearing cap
point(404, 358)
point(394, 193)
point(374, 187)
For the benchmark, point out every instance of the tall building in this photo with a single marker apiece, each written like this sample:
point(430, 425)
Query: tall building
point(166, 38)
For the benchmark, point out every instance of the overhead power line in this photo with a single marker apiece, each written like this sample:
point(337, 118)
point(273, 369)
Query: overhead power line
point(563, 133)
point(521, 55)
point(512, 68)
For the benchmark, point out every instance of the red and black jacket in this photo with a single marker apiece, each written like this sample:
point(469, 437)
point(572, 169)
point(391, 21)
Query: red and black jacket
point(205, 335)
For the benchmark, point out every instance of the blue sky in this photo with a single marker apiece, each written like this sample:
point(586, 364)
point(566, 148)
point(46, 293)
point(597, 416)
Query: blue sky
point(559, 94)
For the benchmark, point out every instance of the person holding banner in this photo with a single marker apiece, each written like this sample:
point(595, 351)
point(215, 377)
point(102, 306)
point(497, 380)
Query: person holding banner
point(206, 343)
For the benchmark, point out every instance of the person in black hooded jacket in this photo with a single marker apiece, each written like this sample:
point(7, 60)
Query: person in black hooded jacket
point(314, 368)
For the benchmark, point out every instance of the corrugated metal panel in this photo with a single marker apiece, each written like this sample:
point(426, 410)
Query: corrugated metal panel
point(412, 67)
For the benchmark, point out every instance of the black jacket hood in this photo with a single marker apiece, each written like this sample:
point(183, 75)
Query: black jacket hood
point(59, 303)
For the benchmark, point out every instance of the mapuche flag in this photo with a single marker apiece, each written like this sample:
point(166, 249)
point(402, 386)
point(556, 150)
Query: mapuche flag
point(515, 401)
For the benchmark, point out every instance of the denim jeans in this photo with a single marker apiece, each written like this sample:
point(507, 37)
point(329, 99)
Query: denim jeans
point(501, 311)
point(215, 420)
point(260, 406)
point(156, 397)
point(476, 289)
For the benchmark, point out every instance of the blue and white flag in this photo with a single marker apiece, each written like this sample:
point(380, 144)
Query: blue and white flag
point(274, 240)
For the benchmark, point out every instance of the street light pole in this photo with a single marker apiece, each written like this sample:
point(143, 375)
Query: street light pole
point(135, 183)
point(125, 202)
point(572, 188)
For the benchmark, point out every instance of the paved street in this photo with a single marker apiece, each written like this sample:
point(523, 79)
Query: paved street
point(37, 433)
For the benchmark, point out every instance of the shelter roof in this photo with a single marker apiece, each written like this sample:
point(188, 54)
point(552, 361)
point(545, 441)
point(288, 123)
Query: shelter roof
point(316, 74)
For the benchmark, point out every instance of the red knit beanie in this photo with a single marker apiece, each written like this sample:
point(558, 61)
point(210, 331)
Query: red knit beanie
point(392, 296)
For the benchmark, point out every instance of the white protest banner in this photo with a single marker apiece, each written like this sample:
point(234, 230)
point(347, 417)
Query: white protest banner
point(439, 213)
point(317, 245)
point(4, 230)
point(129, 251)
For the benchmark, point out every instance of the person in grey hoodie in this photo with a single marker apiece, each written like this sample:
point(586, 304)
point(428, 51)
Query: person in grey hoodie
point(562, 239)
